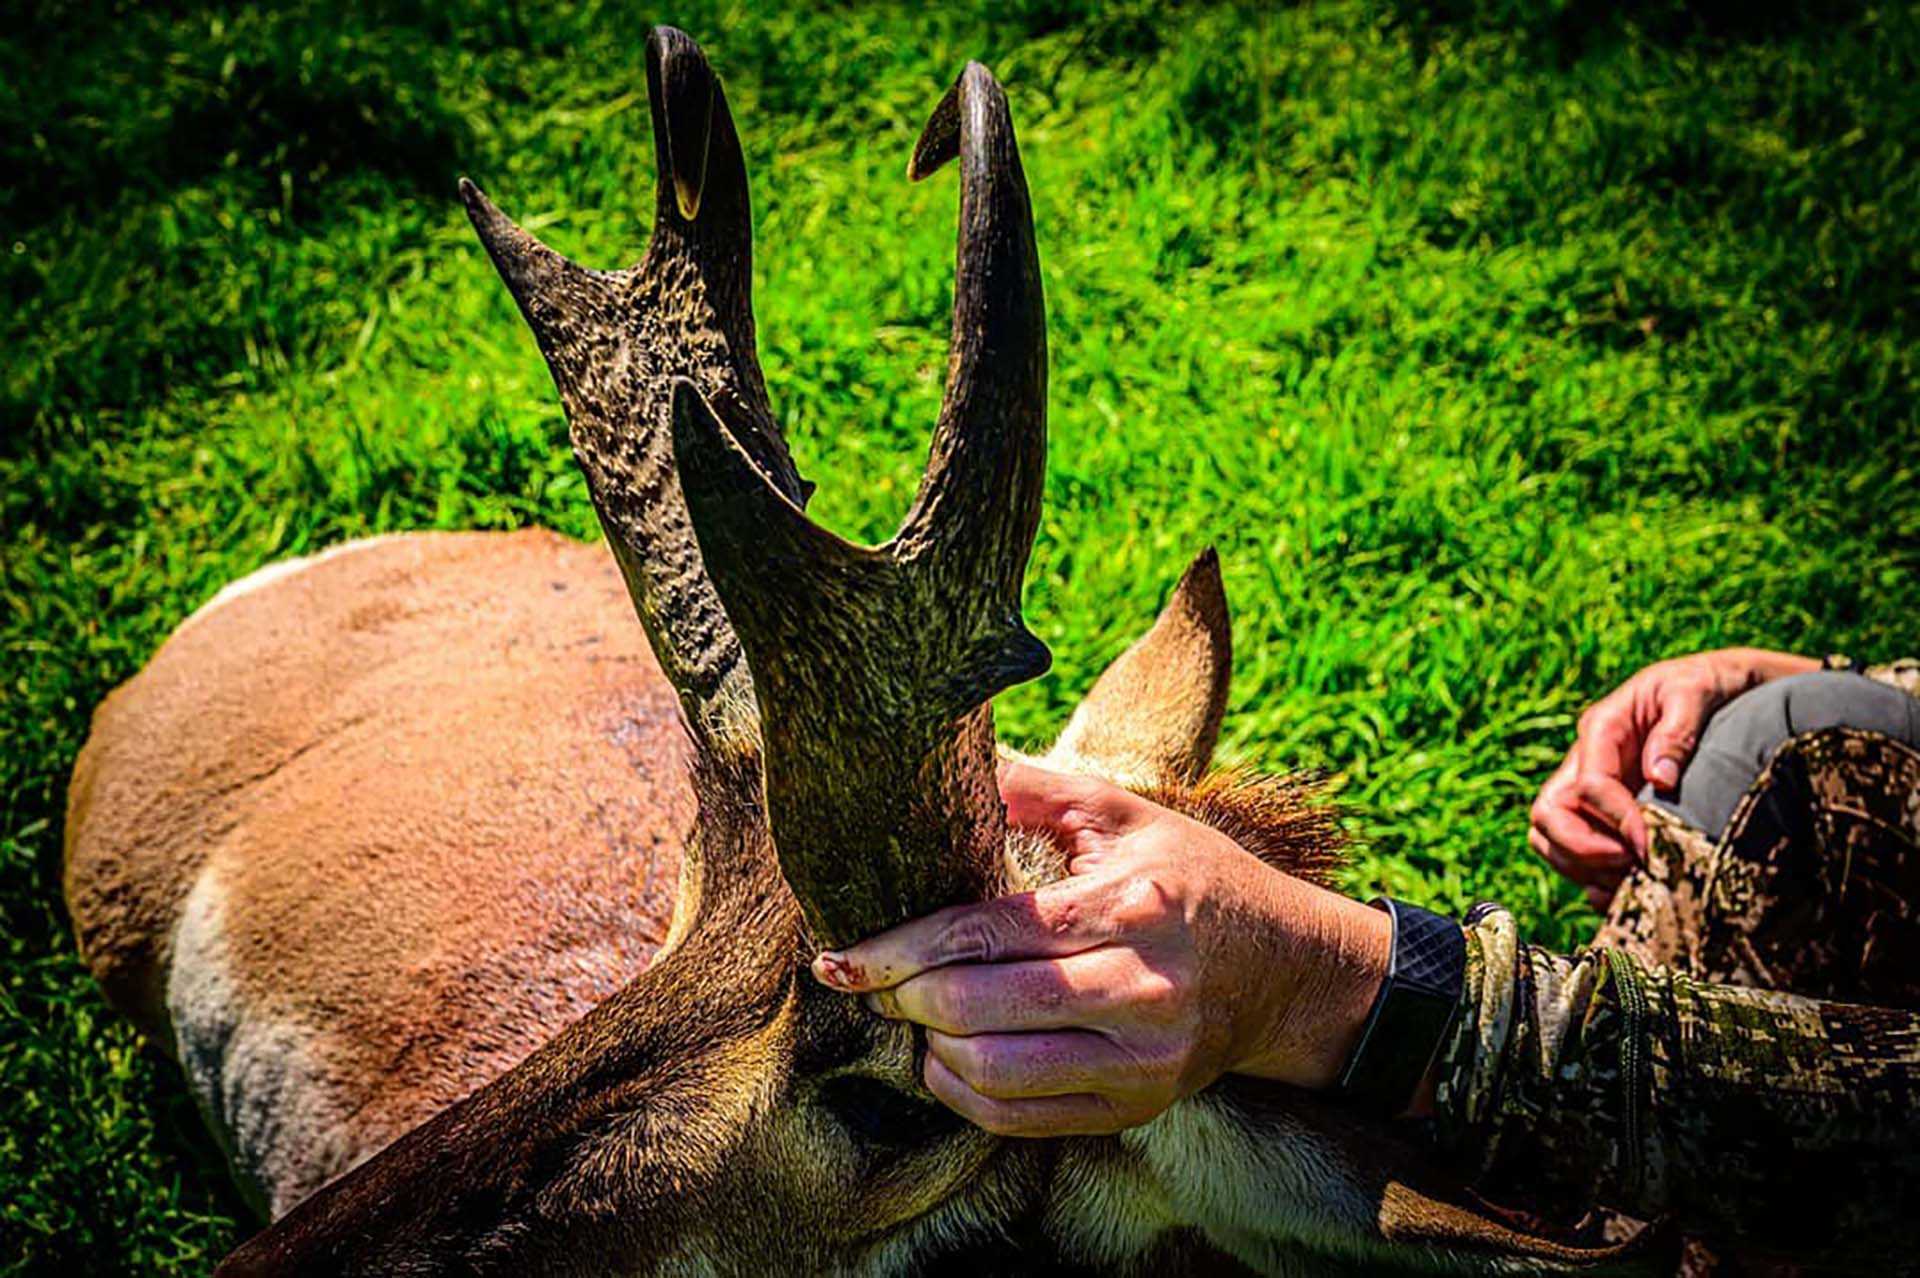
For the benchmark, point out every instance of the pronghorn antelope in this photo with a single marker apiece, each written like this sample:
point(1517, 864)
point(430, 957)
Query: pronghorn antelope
point(480, 929)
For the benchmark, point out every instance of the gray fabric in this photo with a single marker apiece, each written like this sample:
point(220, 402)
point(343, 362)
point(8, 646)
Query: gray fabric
point(1740, 740)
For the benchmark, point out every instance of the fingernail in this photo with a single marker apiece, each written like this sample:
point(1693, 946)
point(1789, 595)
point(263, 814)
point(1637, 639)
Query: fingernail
point(833, 969)
point(1666, 773)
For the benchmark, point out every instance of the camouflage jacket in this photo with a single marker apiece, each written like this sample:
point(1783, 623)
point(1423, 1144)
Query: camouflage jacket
point(1739, 1051)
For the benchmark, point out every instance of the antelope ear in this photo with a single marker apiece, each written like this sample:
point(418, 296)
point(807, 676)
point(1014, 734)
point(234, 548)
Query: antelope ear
point(1154, 714)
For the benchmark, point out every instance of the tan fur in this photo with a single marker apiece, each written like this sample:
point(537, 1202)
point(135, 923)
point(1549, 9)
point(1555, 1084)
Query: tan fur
point(439, 783)
point(1286, 820)
point(406, 814)
point(1153, 716)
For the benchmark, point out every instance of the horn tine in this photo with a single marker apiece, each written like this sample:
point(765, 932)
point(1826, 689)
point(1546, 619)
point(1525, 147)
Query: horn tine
point(681, 88)
point(701, 205)
point(703, 236)
point(755, 542)
point(979, 501)
point(791, 587)
point(627, 461)
point(803, 603)
point(940, 140)
point(533, 273)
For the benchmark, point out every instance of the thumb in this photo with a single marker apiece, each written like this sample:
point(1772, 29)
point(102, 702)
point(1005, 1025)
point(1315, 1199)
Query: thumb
point(1037, 797)
point(1674, 738)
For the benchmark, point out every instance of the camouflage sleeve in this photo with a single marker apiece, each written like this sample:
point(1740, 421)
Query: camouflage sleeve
point(1782, 1122)
point(1903, 674)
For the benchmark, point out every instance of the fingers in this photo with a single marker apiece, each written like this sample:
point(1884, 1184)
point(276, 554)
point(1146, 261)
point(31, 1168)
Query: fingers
point(1587, 822)
point(1594, 781)
point(1108, 986)
point(1602, 862)
point(1572, 839)
point(1576, 836)
point(1078, 1115)
point(1684, 708)
point(1558, 814)
point(1056, 1063)
point(1603, 795)
point(1608, 747)
point(1059, 919)
point(1039, 798)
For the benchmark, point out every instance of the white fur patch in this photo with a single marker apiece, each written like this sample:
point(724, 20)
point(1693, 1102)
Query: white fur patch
point(1107, 1207)
point(263, 577)
point(1263, 1196)
point(1275, 1194)
point(257, 1077)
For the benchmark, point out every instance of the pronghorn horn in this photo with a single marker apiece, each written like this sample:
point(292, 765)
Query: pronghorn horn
point(680, 89)
point(872, 668)
point(701, 210)
point(979, 503)
point(615, 341)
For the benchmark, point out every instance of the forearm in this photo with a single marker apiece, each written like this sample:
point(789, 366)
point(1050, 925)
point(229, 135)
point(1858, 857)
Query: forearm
point(1739, 670)
point(1783, 1122)
point(1759, 665)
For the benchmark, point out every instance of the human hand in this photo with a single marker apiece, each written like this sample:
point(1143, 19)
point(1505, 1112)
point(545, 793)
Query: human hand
point(1168, 956)
point(1586, 821)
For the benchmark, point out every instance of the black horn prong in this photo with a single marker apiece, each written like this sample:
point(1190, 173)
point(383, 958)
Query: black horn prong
point(756, 544)
point(978, 506)
point(680, 85)
point(940, 140)
point(533, 273)
point(616, 341)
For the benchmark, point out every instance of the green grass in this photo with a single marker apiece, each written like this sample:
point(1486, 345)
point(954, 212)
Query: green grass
point(1499, 356)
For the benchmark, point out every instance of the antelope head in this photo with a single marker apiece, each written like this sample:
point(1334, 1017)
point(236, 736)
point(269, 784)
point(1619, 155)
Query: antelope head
point(724, 1113)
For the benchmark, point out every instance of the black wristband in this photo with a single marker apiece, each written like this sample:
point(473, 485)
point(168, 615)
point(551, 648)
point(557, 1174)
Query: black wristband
point(1411, 1013)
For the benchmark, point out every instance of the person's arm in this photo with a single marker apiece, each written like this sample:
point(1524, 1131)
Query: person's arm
point(1586, 821)
point(1781, 1123)
point(1171, 956)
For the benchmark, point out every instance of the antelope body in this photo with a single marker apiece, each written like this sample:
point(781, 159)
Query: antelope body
point(479, 926)
point(373, 826)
